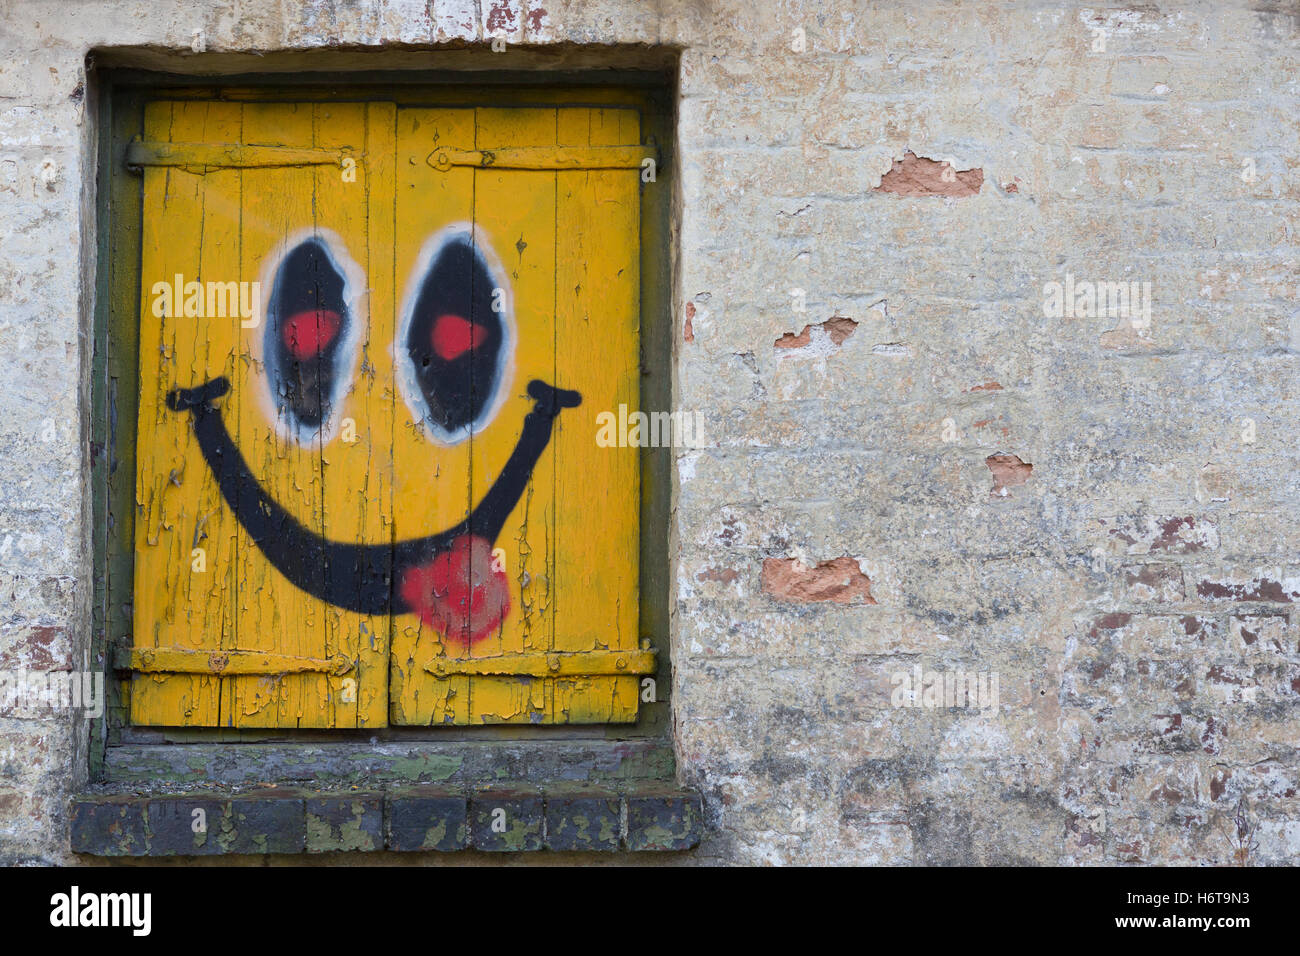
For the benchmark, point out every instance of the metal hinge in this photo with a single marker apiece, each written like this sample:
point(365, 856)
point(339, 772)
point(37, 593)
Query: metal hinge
point(543, 157)
point(548, 664)
point(199, 157)
point(183, 660)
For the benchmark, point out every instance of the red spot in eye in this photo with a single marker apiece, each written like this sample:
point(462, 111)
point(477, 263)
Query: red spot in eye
point(306, 334)
point(453, 336)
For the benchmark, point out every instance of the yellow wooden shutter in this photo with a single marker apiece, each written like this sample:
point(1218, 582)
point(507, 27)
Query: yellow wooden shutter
point(560, 212)
point(221, 638)
point(276, 550)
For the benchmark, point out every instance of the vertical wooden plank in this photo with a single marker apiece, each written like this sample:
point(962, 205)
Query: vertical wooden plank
point(225, 226)
point(514, 218)
point(356, 203)
point(154, 700)
point(569, 243)
point(374, 637)
point(597, 488)
point(182, 595)
point(221, 263)
point(273, 614)
point(431, 484)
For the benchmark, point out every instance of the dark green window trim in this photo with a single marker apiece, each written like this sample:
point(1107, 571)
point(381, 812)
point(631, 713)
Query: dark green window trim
point(402, 820)
point(184, 759)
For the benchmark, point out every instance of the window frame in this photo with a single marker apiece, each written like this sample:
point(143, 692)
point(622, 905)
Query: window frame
point(122, 753)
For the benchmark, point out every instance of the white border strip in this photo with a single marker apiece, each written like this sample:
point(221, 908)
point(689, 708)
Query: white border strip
point(405, 368)
point(354, 284)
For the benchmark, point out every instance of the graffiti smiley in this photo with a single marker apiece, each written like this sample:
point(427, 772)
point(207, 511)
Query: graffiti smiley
point(453, 359)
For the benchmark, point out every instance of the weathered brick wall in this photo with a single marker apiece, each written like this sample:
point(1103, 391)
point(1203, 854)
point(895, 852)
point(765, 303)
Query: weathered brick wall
point(866, 503)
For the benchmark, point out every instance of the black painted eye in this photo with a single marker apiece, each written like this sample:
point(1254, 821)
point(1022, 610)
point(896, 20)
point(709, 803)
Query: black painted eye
point(453, 344)
point(307, 321)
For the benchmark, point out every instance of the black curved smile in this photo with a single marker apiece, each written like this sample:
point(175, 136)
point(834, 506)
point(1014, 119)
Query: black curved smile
point(357, 577)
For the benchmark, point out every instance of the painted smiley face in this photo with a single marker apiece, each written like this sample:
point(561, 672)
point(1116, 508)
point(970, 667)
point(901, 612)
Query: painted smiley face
point(453, 357)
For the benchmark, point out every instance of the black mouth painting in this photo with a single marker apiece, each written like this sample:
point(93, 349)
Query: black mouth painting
point(453, 344)
point(443, 577)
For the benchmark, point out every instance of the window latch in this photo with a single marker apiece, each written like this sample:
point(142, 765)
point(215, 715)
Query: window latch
point(544, 664)
point(542, 157)
point(200, 157)
point(184, 660)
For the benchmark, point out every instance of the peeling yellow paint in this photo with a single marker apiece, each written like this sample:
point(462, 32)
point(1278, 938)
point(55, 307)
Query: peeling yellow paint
point(238, 644)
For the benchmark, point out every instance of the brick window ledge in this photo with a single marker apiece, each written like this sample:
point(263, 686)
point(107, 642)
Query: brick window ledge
point(412, 819)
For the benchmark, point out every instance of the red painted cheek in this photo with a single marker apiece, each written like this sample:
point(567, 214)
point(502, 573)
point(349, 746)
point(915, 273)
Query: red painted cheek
point(308, 333)
point(453, 336)
point(460, 594)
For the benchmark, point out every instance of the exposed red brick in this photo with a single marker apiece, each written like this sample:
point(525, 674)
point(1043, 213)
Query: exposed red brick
point(839, 580)
point(1154, 582)
point(1169, 539)
point(1221, 674)
point(1219, 783)
point(724, 575)
point(837, 328)
point(917, 176)
point(1008, 471)
point(36, 648)
point(1167, 534)
point(1165, 793)
point(792, 341)
point(500, 18)
point(1111, 622)
point(1115, 621)
point(688, 333)
point(986, 387)
point(1209, 742)
point(1259, 589)
point(1168, 724)
point(730, 533)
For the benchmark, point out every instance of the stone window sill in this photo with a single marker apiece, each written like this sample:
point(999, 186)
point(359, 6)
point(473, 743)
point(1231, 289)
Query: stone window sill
point(413, 819)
